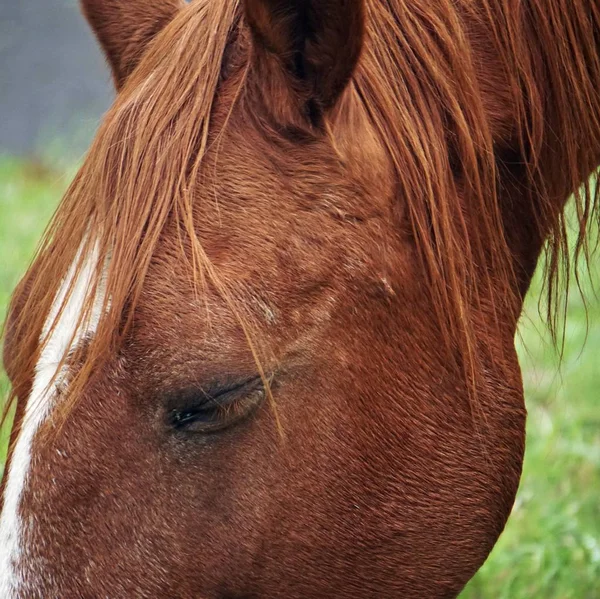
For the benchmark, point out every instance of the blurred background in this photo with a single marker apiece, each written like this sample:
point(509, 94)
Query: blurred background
point(54, 84)
point(54, 87)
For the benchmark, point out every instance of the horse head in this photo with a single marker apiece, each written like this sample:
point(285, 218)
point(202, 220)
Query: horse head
point(267, 347)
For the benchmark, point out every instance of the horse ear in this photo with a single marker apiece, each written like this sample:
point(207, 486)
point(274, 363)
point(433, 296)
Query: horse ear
point(317, 42)
point(125, 27)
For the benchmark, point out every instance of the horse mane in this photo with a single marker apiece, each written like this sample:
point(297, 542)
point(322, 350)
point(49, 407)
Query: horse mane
point(419, 81)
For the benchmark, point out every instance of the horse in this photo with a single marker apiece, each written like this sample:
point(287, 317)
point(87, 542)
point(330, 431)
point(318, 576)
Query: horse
point(266, 346)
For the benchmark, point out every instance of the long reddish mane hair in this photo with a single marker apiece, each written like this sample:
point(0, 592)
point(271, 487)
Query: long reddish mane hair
point(428, 81)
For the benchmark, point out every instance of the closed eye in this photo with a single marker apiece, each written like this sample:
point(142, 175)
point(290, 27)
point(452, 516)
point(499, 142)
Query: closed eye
point(215, 408)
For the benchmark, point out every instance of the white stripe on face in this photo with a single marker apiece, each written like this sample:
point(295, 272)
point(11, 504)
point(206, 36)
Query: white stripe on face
point(42, 400)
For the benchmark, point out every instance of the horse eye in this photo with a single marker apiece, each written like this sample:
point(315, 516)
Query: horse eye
point(215, 410)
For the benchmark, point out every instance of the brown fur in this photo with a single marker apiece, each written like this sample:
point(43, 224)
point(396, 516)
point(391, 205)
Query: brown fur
point(124, 29)
point(365, 230)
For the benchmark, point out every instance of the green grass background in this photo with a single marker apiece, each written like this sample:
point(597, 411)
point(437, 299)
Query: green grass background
point(551, 546)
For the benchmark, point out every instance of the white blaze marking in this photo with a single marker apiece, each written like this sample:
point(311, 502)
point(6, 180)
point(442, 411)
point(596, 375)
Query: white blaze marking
point(63, 339)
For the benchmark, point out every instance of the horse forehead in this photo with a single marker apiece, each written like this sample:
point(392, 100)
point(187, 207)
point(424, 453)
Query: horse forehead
point(293, 271)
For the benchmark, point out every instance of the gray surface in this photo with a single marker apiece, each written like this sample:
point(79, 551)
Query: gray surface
point(54, 84)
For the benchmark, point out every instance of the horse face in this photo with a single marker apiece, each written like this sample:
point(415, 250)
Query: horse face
point(291, 428)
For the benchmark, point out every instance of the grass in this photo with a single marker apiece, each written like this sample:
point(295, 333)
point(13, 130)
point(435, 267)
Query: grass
point(551, 546)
